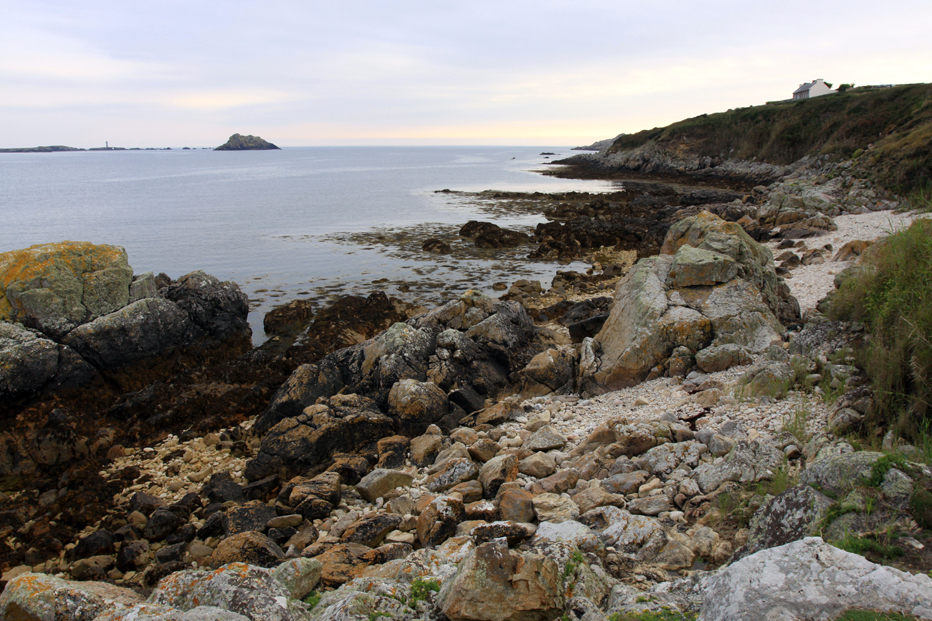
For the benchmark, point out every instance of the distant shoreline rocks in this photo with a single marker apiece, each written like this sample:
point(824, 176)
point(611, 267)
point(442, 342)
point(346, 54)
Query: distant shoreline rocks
point(238, 142)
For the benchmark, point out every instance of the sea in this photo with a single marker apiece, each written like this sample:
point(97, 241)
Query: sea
point(299, 222)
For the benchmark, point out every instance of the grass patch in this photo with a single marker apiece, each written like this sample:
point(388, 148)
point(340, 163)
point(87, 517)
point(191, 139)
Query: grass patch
point(798, 424)
point(882, 466)
point(871, 615)
point(664, 614)
point(892, 296)
point(867, 545)
point(421, 590)
point(313, 598)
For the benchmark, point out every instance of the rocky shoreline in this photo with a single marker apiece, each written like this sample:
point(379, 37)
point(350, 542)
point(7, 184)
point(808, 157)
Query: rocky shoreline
point(660, 434)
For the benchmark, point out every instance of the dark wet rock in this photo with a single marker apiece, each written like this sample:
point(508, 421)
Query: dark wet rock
point(336, 425)
point(289, 318)
point(436, 246)
point(351, 468)
point(222, 488)
point(371, 529)
point(488, 235)
point(393, 450)
point(95, 544)
point(415, 405)
point(133, 556)
point(32, 362)
point(258, 490)
point(161, 524)
point(171, 553)
point(254, 515)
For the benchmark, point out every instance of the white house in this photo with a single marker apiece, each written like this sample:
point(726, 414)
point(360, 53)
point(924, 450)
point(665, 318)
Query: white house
point(812, 89)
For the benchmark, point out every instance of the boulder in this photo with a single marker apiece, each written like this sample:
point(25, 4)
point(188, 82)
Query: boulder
point(47, 598)
point(380, 481)
point(415, 405)
point(747, 462)
point(792, 515)
point(57, 287)
point(550, 372)
point(217, 310)
point(249, 547)
point(31, 362)
point(336, 425)
point(496, 471)
point(809, 579)
point(698, 266)
point(497, 584)
point(236, 587)
point(839, 474)
point(438, 521)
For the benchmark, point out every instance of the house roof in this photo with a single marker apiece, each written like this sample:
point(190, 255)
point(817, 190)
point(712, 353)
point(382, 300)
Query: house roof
point(804, 87)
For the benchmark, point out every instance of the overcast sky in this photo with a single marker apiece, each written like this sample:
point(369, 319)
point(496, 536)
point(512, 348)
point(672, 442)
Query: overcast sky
point(190, 73)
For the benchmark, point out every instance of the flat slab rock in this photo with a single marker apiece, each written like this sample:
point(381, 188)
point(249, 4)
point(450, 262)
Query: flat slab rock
point(809, 579)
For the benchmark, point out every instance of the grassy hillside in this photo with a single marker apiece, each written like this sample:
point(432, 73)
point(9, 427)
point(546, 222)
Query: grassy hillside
point(897, 121)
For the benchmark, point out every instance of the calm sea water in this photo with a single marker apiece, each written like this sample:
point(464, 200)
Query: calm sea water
point(266, 219)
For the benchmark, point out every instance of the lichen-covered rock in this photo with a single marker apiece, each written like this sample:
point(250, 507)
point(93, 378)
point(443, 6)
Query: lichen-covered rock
point(438, 521)
point(250, 547)
point(748, 462)
point(550, 372)
point(496, 471)
point(497, 584)
point(237, 587)
point(299, 575)
point(721, 357)
point(39, 597)
point(57, 287)
point(551, 507)
point(838, 474)
point(809, 579)
point(698, 266)
point(789, 516)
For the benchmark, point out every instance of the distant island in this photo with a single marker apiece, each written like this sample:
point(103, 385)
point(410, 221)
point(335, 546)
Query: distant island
point(238, 142)
point(60, 148)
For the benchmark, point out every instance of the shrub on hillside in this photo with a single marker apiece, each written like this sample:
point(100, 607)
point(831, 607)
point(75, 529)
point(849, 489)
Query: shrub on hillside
point(892, 296)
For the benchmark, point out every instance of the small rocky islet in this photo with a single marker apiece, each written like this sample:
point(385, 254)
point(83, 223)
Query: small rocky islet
point(650, 436)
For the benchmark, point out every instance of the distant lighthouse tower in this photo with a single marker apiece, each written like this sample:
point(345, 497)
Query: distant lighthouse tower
point(107, 142)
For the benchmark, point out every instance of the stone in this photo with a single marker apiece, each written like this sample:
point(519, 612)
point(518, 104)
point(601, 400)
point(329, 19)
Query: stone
point(371, 529)
point(249, 547)
point(545, 439)
point(57, 287)
point(513, 532)
point(809, 579)
point(560, 482)
point(538, 465)
point(249, 591)
point(222, 488)
point(571, 532)
point(380, 481)
point(416, 405)
point(483, 450)
point(351, 468)
point(792, 515)
point(133, 556)
point(748, 462)
point(550, 372)
point(254, 515)
point(452, 473)
point(516, 505)
point(392, 451)
point(94, 544)
point(498, 584)
point(162, 523)
point(31, 362)
point(721, 357)
point(554, 508)
point(838, 474)
point(425, 448)
point(438, 521)
point(41, 597)
point(495, 472)
point(298, 575)
point(664, 459)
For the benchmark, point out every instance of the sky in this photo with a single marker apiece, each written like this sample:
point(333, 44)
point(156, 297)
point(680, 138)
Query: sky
point(411, 72)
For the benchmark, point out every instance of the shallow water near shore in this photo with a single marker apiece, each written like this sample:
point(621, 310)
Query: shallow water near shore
point(282, 224)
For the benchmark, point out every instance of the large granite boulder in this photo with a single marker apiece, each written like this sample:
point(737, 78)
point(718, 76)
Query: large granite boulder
point(498, 584)
point(714, 287)
point(809, 579)
point(57, 287)
point(43, 597)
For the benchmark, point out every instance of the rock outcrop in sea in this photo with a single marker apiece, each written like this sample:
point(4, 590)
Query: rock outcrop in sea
point(238, 142)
